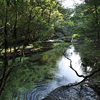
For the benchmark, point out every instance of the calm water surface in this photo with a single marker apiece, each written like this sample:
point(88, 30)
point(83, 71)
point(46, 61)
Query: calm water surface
point(63, 76)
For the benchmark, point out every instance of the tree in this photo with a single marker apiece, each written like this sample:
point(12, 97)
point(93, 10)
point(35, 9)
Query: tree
point(86, 17)
point(86, 29)
point(64, 24)
point(22, 22)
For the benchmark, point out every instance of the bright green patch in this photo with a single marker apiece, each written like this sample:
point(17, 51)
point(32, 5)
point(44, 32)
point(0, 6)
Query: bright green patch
point(75, 36)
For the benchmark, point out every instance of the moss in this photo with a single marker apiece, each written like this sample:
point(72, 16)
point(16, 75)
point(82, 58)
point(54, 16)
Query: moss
point(35, 58)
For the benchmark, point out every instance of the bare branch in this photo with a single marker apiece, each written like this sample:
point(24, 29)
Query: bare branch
point(72, 67)
point(85, 77)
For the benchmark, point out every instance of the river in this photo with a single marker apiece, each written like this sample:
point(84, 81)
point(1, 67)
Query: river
point(62, 75)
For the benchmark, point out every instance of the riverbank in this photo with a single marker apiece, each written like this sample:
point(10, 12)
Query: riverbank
point(43, 73)
point(88, 89)
point(35, 68)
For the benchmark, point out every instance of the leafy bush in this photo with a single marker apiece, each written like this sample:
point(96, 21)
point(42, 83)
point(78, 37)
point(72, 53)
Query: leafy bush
point(75, 36)
point(37, 44)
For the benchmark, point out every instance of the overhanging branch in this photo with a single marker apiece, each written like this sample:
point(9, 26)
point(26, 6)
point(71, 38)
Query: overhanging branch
point(85, 77)
point(72, 67)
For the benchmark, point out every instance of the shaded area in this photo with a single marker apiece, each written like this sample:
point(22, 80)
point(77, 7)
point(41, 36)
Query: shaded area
point(79, 92)
point(34, 75)
point(83, 90)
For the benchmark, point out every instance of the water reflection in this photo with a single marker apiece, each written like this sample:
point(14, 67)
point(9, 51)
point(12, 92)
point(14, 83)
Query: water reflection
point(63, 76)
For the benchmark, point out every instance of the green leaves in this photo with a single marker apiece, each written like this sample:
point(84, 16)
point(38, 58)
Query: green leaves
point(86, 19)
point(61, 10)
point(70, 23)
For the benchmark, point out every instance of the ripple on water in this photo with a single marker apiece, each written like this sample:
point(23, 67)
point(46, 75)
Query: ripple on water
point(40, 91)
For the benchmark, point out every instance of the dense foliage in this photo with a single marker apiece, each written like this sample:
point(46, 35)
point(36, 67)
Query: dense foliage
point(86, 20)
point(23, 22)
point(64, 25)
point(87, 31)
point(31, 21)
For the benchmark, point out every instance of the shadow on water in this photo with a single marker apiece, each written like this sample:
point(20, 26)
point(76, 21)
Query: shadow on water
point(38, 81)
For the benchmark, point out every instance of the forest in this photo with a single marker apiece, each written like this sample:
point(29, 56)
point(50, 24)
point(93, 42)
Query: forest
point(26, 25)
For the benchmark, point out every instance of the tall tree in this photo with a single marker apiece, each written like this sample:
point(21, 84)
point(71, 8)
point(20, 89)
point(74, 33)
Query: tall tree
point(26, 21)
point(87, 20)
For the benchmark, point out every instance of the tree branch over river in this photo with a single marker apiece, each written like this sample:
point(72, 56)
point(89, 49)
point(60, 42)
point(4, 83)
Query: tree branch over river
point(85, 77)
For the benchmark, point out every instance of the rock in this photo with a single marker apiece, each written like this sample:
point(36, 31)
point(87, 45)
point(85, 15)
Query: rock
point(34, 58)
point(56, 40)
point(59, 34)
point(67, 39)
point(78, 92)
point(47, 44)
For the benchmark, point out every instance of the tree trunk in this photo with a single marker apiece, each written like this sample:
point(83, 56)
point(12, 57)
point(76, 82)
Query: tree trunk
point(96, 19)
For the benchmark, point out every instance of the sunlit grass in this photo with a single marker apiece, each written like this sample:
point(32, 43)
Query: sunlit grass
point(9, 50)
